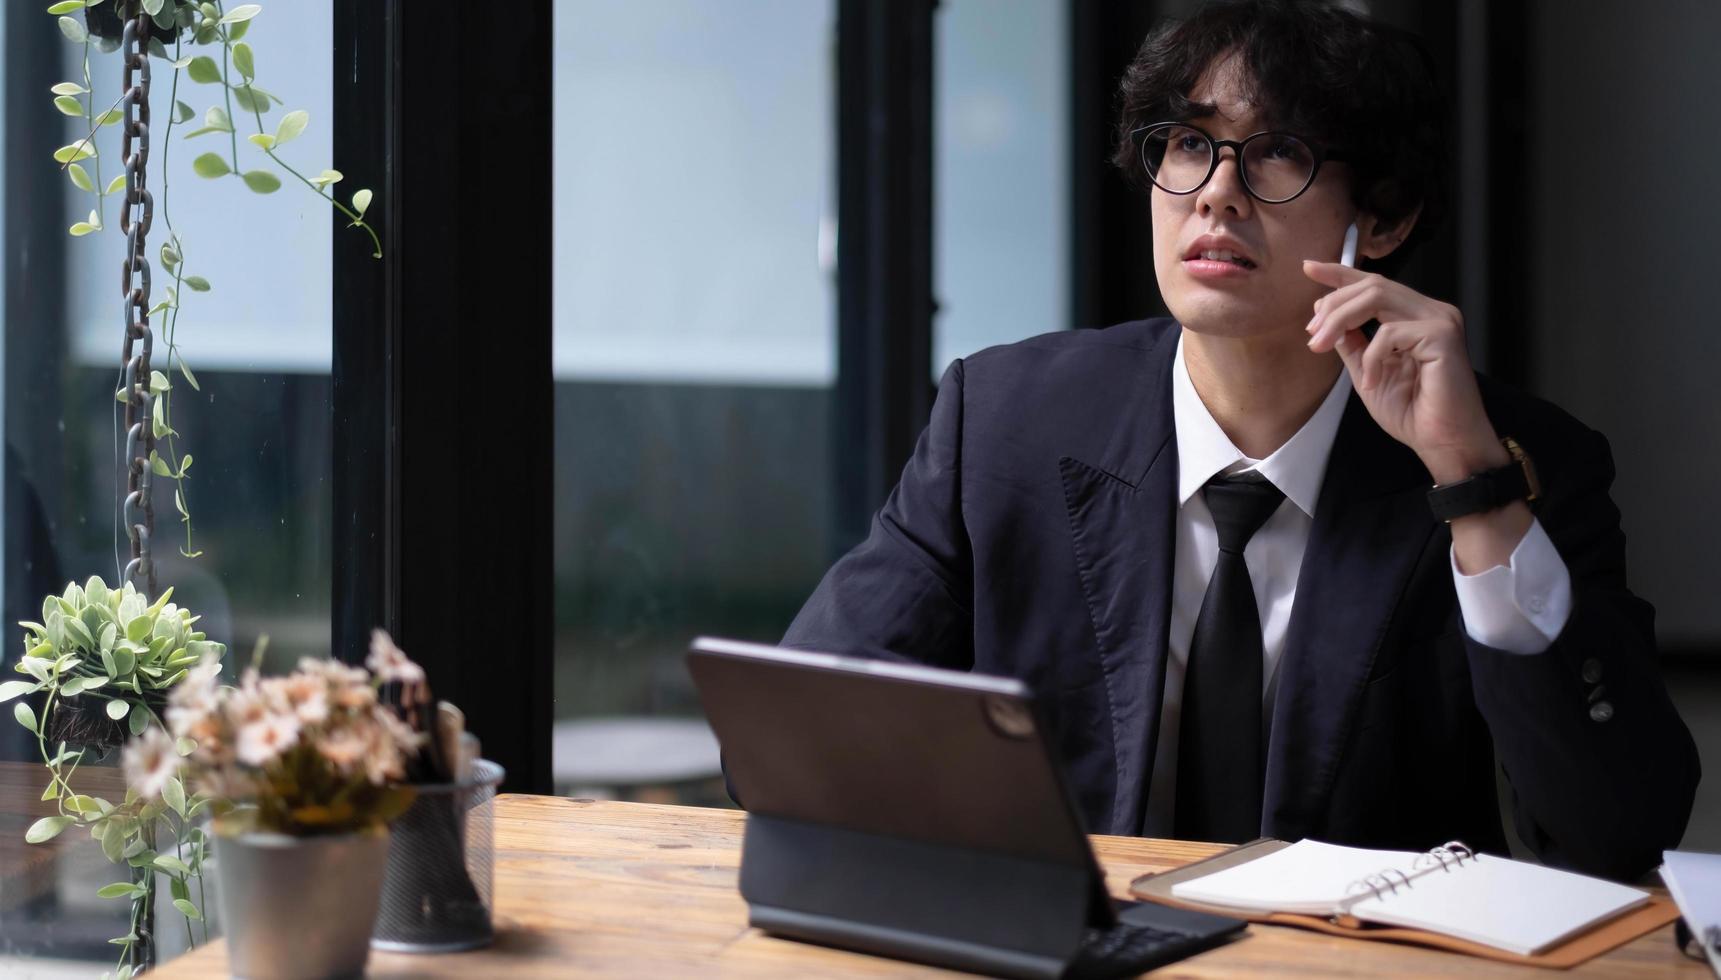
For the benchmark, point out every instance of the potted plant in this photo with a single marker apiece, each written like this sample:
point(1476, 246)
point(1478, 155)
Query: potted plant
point(312, 763)
point(101, 664)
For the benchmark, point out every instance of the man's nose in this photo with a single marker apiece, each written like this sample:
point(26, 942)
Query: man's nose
point(1224, 191)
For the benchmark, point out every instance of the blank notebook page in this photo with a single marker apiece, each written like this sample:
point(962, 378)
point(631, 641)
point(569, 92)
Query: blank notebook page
point(1518, 907)
point(1308, 876)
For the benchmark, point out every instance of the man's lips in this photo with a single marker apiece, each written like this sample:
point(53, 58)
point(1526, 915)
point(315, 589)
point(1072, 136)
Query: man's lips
point(1219, 248)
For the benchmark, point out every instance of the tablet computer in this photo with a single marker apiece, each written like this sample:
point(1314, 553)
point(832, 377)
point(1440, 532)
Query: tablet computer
point(920, 813)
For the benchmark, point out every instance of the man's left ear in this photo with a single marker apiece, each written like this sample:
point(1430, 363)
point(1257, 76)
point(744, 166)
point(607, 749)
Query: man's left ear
point(1382, 238)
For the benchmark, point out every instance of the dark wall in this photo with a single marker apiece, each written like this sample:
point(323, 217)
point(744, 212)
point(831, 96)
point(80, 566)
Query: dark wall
point(1619, 262)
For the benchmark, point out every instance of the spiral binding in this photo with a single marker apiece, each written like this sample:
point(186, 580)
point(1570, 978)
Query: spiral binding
point(1447, 856)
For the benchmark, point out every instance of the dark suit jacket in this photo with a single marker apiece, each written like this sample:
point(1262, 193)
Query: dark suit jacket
point(1032, 536)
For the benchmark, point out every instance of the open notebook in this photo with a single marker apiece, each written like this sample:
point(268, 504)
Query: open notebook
point(1509, 905)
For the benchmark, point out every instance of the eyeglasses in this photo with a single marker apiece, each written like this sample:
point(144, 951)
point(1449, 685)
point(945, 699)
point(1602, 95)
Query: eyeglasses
point(1276, 167)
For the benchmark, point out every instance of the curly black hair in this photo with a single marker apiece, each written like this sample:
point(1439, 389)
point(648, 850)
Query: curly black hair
point(1313, 68)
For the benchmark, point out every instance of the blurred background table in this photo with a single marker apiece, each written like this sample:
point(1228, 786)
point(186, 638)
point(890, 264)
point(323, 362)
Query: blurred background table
point(632, 889)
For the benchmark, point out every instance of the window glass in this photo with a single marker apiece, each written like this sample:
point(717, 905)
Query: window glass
point(1001, 174)
point(694, 357)
point(257, 423)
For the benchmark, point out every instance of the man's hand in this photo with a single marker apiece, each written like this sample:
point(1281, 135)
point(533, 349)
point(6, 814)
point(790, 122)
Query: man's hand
point(1414, 376)
point(1415, 379)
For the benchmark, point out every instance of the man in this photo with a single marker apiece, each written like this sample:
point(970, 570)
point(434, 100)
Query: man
point(1210, 542)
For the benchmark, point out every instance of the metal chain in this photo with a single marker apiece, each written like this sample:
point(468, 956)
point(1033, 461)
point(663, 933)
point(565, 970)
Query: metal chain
point(136, 213)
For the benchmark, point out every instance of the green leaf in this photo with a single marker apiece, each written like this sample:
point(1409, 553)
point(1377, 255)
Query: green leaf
point(52, 792)
point(138, 629)
point(291, 125)
point(158, 466)
point(81, 228)
point(73, 30)
point(152, 7)
point(109, 117)
point(117, 708)
point(184, 464)
point(262, 141)
point(156, 49)
point(80, 177)
point(190, 379)
point(12, 689)
point(119, 889)
point(158, 415)
point(204, 70)
point(243, 12)
point(116, 185)
point(139, 721)
point(46, 829)
point(25, 715)
point(216, 118)
point(80, 634)
point(197, 284)
point(73, 687)
point(244, 60)
point(68, 88)
point(168, 862)
point(326, 178)
point(73, 152)
point(158, 382)
point(66, 6)
point(69, 106)
point(184, 62)
point(174, 794)
point(82, 804)
point(262, 181)
point(361, 201)
point(250, 98)
point(179, 503)
point(187, 909)
point(210, 165)
point(185, 746)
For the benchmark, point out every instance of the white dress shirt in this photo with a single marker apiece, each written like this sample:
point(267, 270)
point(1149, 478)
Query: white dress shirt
point(1518, 607)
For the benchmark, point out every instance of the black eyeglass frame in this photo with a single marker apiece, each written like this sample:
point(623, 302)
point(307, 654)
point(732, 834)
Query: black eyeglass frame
point(1321, 155)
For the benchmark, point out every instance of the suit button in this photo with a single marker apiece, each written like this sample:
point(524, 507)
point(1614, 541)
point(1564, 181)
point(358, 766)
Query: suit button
point(1592, 670)
point(1601, 711)
point(1534, 604)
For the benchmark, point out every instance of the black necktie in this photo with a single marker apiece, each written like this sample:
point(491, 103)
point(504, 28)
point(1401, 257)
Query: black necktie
point(1219, 771)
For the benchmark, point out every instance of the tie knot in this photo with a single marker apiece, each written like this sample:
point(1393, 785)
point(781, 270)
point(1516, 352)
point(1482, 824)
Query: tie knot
point(1239, 507)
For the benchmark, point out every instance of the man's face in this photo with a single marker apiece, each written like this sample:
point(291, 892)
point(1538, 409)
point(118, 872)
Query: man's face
point(1273, 297)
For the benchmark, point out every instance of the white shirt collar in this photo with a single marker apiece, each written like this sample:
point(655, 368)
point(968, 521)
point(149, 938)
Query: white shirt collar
point(1204, 451)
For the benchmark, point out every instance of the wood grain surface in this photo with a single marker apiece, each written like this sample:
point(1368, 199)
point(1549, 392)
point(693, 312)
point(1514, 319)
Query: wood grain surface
point(631, 889)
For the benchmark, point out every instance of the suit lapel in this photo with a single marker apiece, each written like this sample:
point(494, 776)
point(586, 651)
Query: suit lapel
point(1122, 512)
point(1371, 525)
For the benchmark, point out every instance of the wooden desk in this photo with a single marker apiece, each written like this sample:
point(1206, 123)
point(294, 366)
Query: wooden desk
point(629, 889)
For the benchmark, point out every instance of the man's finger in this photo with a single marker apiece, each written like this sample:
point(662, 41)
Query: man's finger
point(1351, 347)
point(1332, 273)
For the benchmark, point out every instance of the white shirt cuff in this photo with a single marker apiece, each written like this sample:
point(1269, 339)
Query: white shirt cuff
point(1522, 606)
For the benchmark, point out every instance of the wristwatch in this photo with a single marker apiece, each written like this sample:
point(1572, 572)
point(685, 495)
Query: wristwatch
point(1488, 490)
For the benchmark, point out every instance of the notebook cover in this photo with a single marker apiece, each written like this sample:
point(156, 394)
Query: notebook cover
point(1585, 946)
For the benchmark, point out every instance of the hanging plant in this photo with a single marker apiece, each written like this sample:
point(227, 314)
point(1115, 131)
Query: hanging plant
point(102, 661)
point(186, 26)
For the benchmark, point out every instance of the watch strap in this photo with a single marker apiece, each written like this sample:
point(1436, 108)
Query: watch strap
point(1488, 490)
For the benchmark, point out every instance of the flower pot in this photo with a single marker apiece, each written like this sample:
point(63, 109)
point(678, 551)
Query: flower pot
point(299, 907)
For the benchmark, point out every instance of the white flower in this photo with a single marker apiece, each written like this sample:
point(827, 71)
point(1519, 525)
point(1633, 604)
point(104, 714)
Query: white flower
point(150, 761)
point(345, 748)
point(262, 740)
point(308, 697)
point(389, 663)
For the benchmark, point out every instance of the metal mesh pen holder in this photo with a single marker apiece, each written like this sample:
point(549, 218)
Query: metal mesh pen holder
point(439, 886)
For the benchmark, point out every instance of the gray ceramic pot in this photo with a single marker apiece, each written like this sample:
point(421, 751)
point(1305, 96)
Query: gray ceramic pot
point(299, 907)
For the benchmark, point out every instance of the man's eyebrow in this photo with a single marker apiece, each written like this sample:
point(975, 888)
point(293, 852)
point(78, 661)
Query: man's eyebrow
point(1182, 107)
